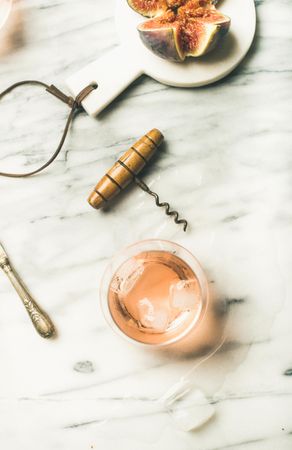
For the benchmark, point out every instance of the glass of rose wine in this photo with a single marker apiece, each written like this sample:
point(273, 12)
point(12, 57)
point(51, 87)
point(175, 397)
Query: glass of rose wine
point(154, 293)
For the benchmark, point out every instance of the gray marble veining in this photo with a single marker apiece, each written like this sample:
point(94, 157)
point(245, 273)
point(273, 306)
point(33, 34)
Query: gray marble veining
point(225, 166)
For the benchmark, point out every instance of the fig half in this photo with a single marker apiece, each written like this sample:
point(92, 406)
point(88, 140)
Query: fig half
point(149, 8)
point(154, 8)
point(181, 28)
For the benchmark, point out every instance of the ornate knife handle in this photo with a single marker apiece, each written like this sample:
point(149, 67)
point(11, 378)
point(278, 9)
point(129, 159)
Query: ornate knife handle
point(39, 318)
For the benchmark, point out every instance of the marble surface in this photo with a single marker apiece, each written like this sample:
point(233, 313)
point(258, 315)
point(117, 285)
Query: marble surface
point(225, 166)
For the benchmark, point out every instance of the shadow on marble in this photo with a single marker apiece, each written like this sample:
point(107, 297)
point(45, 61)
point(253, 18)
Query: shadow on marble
point(12, 35)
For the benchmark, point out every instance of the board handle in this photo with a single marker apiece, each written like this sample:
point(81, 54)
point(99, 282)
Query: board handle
point(112, 73)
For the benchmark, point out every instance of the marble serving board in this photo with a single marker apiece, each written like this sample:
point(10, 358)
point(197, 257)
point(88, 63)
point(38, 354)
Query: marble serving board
point(118, 68)
point(225, 166)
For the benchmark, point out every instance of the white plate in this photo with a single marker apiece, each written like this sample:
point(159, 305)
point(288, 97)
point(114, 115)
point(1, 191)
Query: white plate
point(120, 67)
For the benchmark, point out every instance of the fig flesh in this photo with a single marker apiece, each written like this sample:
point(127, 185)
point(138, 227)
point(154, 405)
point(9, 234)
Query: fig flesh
point(181, 28)
point(149, 8)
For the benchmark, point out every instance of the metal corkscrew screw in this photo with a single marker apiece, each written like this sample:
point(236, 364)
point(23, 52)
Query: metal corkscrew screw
point(126, 170)
point(160, 204)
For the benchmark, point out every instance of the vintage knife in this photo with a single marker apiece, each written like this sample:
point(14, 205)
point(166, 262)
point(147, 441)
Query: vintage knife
point(40, 320)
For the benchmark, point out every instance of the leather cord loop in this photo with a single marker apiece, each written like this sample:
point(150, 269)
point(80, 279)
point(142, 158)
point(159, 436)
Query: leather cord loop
point(74, 105)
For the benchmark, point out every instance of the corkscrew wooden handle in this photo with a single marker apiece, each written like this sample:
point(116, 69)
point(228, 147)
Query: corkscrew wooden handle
point(125, 169)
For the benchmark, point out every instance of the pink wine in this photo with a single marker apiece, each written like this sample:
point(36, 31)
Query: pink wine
point(155, 297)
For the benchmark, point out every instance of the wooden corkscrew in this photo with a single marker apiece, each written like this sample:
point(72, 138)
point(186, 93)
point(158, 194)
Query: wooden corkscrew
point(125, 171)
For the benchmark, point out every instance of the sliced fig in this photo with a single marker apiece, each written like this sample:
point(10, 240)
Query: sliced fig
point(174, 4)
point(163, 36)
point(200, 37)
point(186, 28)
point(203, 28)
point(154, 8)
point(149, 8)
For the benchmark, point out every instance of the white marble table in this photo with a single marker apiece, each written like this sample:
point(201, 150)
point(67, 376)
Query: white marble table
point(226, 167)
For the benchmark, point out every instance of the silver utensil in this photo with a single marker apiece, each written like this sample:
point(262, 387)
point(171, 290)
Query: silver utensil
point(39, 318)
